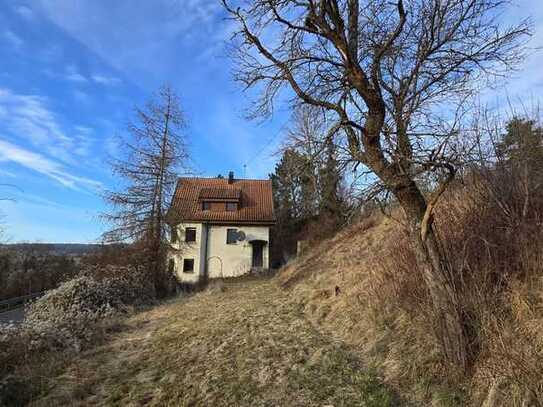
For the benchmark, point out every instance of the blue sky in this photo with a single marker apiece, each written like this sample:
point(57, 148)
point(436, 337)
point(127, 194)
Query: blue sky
point(71, 73)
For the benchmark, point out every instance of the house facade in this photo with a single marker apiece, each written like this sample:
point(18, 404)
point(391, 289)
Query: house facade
point(220, 227)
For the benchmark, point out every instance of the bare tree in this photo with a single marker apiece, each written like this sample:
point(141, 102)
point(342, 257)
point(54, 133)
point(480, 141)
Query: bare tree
point(394, 77)
point(155, 152)
point(3, 237)
point(307, 135)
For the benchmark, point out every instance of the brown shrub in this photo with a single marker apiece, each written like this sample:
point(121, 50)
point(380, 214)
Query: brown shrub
point(496, 256)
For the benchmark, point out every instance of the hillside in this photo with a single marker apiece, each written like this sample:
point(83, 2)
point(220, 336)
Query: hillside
point(244, 343)
point(59, 249)
point(346, 323)
point(353, 290)
point(329, 279)
point(362, 288)
point(344, 287)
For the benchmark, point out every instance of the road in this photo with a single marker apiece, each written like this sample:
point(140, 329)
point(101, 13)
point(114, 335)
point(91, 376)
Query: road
point(16, 315)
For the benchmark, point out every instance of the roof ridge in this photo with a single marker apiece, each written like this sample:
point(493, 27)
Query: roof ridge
point(225, 179)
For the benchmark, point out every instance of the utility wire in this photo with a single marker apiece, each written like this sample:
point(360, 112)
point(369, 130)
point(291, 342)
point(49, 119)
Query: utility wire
point(261, 150)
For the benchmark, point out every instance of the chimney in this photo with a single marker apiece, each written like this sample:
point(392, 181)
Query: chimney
point(231, 177)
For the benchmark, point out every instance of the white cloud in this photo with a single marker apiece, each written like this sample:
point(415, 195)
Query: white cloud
point(44, 165)
point(15, 41)
point(28, 117)
point(25, 12)
point(105, 80)
point(138, 35)
point(72, 74)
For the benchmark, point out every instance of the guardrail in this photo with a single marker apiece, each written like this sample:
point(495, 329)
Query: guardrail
point(6, 305)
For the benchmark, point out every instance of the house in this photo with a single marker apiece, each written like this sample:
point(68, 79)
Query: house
point(220, 227)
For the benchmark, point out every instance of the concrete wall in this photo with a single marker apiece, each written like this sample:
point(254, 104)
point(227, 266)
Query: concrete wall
point(224, 260)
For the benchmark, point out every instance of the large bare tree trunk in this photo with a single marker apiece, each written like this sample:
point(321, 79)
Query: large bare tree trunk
point(381, 81)
point(436, 272)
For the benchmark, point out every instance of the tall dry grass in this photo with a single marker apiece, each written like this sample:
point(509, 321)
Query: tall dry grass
point(495, 246)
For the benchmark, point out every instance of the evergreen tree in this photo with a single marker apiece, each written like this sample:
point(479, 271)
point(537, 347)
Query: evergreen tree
point(330, 177)
point(520, 163)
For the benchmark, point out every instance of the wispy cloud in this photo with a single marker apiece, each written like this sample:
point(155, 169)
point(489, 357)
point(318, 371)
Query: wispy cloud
point(45, 166)
point(72, 74)
point(29, 117)
point(25, 12)
point(105, 80)
point(13, 39)
point(149, 32)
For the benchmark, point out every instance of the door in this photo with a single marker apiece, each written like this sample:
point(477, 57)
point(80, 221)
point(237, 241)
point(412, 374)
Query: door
point(258, 249)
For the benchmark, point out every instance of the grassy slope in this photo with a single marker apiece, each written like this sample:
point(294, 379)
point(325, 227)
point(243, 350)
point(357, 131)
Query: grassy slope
point(246, 345)
point(342, 287)
point(348, 262)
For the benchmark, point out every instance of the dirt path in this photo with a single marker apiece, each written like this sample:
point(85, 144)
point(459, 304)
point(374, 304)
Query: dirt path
point(245, 346)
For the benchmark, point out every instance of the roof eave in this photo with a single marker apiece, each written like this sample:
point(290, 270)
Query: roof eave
point(230, 222)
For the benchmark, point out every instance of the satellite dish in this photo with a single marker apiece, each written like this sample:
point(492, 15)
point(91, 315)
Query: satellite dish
point(241, 235)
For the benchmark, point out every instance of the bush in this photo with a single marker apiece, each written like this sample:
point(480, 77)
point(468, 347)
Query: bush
point(14, 392)
point(70, 317)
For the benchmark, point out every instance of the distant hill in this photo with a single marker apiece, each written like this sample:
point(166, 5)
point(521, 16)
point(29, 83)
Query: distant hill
point(73, 249)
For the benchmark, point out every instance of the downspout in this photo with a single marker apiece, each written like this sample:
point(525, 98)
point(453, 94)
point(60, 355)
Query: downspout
point(205, 276)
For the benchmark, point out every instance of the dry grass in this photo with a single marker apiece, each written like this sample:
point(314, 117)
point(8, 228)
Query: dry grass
point(363, 287)
point(245, 344)
point(365, 310)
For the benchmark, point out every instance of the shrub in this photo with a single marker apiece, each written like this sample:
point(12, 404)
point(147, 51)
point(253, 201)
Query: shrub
point(65, 317)
point(72, 317)
point(495, 247)
point(14, 392)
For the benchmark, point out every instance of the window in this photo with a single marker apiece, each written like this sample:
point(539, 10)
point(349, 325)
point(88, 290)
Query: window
point(190, 234)
point(231, 206)
point(206, 206)
point(174, 234)
point(188, 265)
point(171, 266)
point(231, 236)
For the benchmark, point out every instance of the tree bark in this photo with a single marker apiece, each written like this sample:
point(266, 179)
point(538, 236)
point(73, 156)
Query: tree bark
point(436, 273)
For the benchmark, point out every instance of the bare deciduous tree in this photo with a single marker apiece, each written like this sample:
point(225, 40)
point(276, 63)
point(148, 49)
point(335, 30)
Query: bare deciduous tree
point(308, 136)
point(394, 77)
point(154, 154)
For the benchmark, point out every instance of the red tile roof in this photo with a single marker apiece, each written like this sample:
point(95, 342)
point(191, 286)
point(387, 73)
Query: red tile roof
point(228, 192)
point(255, 197)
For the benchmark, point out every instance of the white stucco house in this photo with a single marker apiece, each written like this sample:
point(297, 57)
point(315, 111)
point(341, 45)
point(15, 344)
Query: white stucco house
point(220, 227)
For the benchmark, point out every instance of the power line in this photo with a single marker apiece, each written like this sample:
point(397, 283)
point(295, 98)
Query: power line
point(266, 145)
